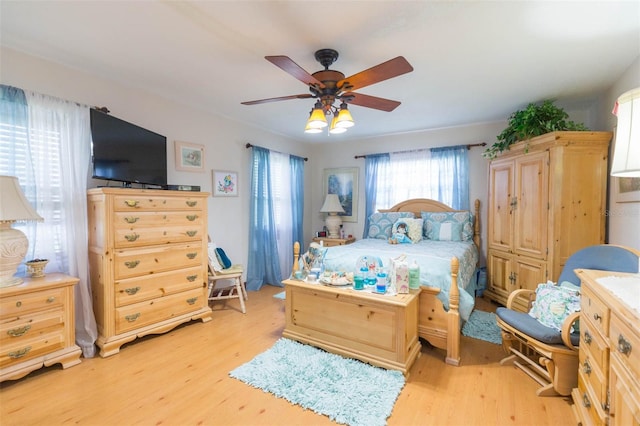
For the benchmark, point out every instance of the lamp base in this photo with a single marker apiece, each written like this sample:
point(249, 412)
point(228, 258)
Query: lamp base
point(13, 248)
point(333, 222)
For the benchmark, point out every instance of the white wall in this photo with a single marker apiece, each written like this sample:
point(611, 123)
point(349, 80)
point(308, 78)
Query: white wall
point(624, 218)
point(225, 140)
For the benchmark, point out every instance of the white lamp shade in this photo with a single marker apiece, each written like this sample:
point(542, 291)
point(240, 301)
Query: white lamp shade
point(626, 152)
point(332, 204)
point(13, 204)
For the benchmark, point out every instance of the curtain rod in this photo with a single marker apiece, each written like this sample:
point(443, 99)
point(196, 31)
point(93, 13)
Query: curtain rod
point(249, 146)
point(469, 146)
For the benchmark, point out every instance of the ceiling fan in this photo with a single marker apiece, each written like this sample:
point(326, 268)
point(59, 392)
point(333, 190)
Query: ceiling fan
point(327, 86)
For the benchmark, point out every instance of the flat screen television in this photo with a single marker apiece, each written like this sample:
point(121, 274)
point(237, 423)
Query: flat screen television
point(127, 153)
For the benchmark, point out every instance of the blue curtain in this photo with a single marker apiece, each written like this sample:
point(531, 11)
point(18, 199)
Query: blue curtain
point(297, 199)
point(373, 163)
point(263, 249)
point(453, 162)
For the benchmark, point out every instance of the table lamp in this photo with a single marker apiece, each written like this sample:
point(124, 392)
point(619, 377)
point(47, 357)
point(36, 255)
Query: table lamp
point(333, 221)
point(14, 207)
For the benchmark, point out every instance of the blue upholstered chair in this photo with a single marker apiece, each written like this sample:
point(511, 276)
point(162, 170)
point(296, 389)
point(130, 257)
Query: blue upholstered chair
point(549, 356)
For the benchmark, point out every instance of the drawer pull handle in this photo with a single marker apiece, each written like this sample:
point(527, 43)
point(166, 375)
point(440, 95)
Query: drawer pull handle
point(132, 237)
point(192, 203)
point(132, 290)
point(51, 299)
point(132, 318)
point(132, 264)
point(19, 353)
point(597, 317)
point(192, 233)
point(20, 331)
point(624, 346)
point(192, 278)
point(131, 203)
point(131, 219)
point(587, 338)
point(192, 255)
point(192, 217)
point(585, 400)
point(586, 368)
point(192, 300)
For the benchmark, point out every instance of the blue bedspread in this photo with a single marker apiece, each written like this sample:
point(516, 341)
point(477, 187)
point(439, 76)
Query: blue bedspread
point(433, 257)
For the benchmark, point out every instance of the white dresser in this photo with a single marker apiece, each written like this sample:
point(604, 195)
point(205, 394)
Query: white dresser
point(148, 262)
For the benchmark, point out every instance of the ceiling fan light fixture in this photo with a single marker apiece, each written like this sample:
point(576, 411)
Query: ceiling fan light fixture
point(312, 130)
point(344, 118)
point(335, 130)
point(317, 119)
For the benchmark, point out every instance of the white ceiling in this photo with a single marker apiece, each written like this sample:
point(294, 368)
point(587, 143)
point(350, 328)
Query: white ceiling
point(473, 61)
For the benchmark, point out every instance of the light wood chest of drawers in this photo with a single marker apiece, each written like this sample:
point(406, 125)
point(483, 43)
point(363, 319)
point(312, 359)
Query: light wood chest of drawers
point(148, 262)
point(37, 325)
point(608, 389)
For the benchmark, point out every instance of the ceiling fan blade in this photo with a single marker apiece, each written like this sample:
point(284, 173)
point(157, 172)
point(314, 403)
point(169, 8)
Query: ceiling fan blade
point(384, 71)
point(372, 101)
point(286, 64)
point(281, 98)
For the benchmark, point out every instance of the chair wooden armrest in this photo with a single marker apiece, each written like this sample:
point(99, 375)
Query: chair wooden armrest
point(528, 295)
point(566, 329)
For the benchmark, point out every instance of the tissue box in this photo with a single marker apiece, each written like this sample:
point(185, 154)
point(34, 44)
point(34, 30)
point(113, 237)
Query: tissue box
point(400, 275)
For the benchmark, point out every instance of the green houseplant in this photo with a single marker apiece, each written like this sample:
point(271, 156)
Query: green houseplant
point(534, 120)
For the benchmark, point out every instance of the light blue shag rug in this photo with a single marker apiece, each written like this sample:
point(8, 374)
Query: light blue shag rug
point(482, 325)
point(345, 390)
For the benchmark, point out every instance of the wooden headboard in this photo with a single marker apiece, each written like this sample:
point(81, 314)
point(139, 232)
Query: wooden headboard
point(419, 205)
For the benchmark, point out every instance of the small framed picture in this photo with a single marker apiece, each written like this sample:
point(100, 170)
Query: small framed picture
point(189, 157)
point(626, 190)
point(225, 183)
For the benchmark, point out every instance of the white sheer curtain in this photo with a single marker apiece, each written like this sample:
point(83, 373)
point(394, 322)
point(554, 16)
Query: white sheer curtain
point(408, 175)
point(282, 192)
point(59, 145)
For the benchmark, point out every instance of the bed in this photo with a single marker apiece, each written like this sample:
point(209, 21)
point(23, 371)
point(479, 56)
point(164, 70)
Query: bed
point(447, 273)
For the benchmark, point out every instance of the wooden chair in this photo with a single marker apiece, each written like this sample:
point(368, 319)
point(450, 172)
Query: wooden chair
point(227, 283)
point(549, 356)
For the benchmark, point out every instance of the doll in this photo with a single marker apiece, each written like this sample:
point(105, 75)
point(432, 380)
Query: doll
point(400, 236)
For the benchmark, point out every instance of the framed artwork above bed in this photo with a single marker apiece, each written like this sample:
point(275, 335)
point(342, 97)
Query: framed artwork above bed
point(344, 183)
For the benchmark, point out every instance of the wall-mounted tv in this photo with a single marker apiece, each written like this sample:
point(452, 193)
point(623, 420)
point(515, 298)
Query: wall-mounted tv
point(127, 153)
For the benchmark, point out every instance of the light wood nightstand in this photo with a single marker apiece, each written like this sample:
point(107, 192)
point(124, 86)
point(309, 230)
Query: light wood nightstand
point(331, 242)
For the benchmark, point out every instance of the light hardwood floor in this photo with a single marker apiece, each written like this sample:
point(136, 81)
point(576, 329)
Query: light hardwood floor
point(181, 378)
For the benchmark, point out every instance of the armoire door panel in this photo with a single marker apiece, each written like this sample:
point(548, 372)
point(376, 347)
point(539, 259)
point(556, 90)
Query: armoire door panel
point(531, 210)
point(500, 198)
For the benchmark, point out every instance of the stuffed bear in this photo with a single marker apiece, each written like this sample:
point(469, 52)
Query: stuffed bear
point(400, 236)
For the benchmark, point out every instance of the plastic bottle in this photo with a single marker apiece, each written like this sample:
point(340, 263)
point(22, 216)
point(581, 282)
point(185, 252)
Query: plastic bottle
point(414, 275)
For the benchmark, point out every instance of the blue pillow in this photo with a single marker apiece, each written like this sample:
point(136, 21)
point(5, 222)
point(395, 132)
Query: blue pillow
point(380, 224)
point(223, 258)
point(462, 218)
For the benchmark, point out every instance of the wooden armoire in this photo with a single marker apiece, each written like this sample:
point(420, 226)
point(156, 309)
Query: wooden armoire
point(547, 199)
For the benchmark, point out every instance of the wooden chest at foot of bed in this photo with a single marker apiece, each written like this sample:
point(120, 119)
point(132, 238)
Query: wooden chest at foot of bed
point(381, 330)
